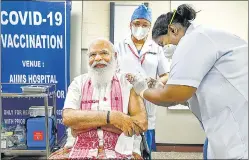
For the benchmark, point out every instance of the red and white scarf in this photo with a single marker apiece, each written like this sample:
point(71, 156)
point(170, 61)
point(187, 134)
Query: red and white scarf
point(89, 140)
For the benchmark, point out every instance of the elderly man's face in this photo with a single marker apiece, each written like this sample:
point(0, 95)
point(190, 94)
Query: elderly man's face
point(102, 62)
point(100, 54)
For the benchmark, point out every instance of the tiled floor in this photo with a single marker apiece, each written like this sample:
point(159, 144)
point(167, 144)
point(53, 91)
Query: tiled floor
point(177, 155)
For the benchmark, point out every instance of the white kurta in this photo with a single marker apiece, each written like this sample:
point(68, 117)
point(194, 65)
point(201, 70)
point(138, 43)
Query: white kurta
point(74, 96)
point(154, 64)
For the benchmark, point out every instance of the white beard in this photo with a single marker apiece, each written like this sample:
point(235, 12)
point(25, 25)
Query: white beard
point(101, 77)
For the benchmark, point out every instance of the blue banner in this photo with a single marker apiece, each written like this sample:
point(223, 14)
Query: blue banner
point(35, 44)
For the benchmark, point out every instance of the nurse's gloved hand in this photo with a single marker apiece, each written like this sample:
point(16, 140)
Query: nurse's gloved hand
point(159, 84)
point(154, 83)
point(138, 81)
point(130, 77)
point(151, 82)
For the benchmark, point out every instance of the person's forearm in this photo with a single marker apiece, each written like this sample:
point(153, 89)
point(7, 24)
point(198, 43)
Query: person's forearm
point(169, 95)
point(157, 96)
point(81, 120)
point(111, 128)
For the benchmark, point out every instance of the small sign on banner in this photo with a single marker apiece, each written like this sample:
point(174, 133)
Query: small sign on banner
point(38, 136)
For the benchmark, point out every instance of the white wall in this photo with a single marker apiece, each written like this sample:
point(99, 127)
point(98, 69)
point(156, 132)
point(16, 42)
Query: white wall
point(75, 44)
point(178, 127)
point(90, 19)
point(95, 21)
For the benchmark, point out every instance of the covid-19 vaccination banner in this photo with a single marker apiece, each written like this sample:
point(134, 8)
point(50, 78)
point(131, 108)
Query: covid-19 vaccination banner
point(35, 45)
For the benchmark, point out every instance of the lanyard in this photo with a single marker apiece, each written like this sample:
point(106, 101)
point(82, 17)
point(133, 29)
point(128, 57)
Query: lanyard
point(143, 57)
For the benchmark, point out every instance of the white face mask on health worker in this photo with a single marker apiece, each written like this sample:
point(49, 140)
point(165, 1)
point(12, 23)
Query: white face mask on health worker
point(139, 32)
point(169, 50)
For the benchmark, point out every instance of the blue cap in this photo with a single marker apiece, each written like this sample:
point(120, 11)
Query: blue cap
point(142, 12)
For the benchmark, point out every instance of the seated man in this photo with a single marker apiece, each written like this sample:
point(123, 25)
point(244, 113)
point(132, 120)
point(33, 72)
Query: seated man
point(103, 110)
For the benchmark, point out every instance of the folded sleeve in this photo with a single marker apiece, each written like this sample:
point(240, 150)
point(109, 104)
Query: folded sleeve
point(73, 96)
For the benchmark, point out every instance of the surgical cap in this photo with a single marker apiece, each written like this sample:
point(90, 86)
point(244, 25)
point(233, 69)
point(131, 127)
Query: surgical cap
point(142, 12)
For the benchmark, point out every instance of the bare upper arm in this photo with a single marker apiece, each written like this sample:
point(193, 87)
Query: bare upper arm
point(178, 93)
point(136, 104)
point(137, 111)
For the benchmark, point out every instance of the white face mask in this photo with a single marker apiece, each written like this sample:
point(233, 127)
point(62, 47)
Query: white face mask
point(139, 32)
point(169, 50)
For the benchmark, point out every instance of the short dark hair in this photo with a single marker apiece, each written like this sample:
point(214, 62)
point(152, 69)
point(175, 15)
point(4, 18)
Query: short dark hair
point(183, 15)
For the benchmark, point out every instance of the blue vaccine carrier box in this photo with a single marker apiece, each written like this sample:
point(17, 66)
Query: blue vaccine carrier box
point(36, 132)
